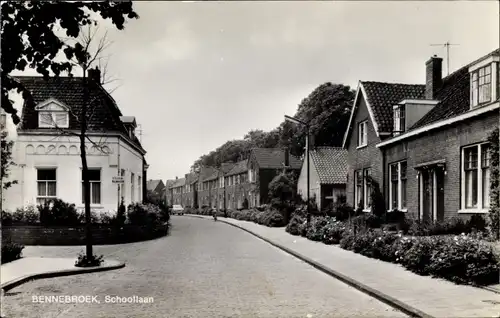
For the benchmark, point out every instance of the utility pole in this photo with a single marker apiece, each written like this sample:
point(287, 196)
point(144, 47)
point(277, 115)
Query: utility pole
point(447, 46)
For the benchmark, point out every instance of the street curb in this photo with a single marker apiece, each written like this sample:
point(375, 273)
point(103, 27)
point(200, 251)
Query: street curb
point(405, 308)
point(493, 290)
point(66, 272)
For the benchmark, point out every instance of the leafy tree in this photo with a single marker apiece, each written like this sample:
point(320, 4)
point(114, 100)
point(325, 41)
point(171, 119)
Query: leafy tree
point(7, 161)
point(29, 38)
point(494, 214)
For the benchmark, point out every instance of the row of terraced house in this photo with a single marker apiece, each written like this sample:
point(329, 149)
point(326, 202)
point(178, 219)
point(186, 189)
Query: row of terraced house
point(232, 185)
point(426, 145)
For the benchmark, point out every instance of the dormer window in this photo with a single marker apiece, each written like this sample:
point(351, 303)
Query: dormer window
point(399, 119)
point(363, 133)
point(52, 114)
point(481, 86)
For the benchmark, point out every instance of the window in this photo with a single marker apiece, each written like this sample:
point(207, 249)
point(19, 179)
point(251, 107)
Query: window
point(362, 133)
point(481, 86)
point(122, 186)
point(476, 177)
point(399, 119)
point(132, 187)
point(95, 186)
point(398, 182)
point(362, 195)
point(53, 119)
point(139, 187)
point(47, 185)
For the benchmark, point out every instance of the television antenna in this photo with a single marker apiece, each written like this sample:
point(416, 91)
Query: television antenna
point(447, 46)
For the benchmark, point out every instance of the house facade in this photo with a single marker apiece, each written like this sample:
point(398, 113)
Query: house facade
point(237, 186)
point(207, 187)
point(190, 191)
point(221, 184)
point(263, 165)
point(47, 149)
point(177, 190)
point(425, 144)
point(327, 175)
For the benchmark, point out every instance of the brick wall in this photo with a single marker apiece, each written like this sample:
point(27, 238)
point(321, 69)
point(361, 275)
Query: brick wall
point(440, 144)
point(366, 157)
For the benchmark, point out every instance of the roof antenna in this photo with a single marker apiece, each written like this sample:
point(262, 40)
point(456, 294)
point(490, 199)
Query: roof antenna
point(447, 46)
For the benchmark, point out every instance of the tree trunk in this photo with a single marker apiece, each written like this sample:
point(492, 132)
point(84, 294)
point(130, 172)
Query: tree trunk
point(85, 169)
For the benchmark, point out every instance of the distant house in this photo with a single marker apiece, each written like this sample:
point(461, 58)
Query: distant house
point(327, 175)
point(190, 192)
point(169, 198)
point(176, 190)
point(237, 186)
point(155, 186)
point(47, 154)
point(207, 187)
point(263, 165)
point(222, 184)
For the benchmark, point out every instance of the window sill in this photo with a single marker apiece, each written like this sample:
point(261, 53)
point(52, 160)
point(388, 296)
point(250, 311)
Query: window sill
point(362, 146)
point(367, 210)
point(92, 206)
point(402, 210)
point(473, 211)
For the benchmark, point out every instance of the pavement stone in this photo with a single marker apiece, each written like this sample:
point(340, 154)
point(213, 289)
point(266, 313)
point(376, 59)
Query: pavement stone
point(435, 297)
point(203, 269)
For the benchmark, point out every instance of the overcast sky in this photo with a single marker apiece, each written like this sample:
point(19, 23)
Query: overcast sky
point(198, 74)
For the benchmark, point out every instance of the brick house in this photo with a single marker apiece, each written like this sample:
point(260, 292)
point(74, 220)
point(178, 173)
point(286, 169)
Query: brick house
point(437, 162)
point(237, 186)
point(327, 175)
point(190, 191)
point(423, 143)
point(207, 187)
point(221, 189)
point(263, 165)
point(47, 150)
point(177, 190)
point(168, 192)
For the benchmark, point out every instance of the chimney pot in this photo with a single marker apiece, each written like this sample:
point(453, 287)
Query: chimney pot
point(433, 76)
point(94, 75)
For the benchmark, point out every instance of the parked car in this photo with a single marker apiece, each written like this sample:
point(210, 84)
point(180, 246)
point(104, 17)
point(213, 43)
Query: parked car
point(177, 209)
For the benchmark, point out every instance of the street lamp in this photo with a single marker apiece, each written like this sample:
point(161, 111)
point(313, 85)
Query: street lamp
point(299, 122)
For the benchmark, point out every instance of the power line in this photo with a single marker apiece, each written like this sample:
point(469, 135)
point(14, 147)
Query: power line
point(447, 46)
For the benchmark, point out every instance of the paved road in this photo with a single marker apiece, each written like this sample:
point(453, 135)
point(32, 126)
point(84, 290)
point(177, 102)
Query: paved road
point(203, 269)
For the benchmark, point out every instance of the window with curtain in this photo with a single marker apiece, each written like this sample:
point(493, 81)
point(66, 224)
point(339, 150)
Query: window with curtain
point(46, 185)
point(95, 186)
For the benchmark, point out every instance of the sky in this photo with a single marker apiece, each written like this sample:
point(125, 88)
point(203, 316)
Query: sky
point(197, 74)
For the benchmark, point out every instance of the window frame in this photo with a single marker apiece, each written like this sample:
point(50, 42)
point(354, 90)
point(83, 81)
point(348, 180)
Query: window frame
point(45, 197)
point(92, 182)
point(399, 119)
point(480, 208)
point(363, 134)
point(399, 183)
point(53, 114)
point(365, 196)
point(476, 85)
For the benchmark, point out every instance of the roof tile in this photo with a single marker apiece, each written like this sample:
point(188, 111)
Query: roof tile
point(274, 158)
point(330, 164)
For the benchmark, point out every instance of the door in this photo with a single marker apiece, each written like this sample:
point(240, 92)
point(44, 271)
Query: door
point(439, 194)
point(426, 192)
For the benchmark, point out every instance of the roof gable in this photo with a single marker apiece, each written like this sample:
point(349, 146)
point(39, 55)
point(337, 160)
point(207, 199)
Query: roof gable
point(239, 167)
point(52, 104)
point(330, 164)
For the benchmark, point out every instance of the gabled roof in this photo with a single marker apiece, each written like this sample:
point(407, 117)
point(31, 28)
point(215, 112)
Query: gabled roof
point(169, 183)
point(330, 164)
point(178, 183)
point(192, 177)
point(68, 90)
point(274, 158)
point(239, 167)
point(151, 185)
point(206, 172)
point(380, 98)
point(226, 167)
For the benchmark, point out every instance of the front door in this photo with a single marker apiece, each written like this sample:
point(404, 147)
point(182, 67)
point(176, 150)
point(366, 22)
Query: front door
point(439, 175)
point(426, 193)
point(432, 194)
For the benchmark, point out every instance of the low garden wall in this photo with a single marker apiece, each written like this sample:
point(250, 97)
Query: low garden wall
point(75, 235)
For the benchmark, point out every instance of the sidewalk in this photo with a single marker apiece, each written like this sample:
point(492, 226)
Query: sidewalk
point(430, 296)
point(17, 272)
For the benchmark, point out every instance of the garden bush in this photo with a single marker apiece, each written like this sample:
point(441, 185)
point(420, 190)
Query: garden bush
point(11, 251)
point(28, 215)
point(6, 218)
point(144, 215)
point(315, 229)
point(59, 213)
point(452, 226)
point(366, 220)
point(333, 231)
point(294, 226)
point(343, 211)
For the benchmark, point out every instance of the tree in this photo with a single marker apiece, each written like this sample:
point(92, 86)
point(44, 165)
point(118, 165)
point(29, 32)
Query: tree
point(7, 161)
point(30, 39)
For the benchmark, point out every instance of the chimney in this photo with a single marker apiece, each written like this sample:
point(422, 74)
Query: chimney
point(433, 76)
point(287, 157)
point(94, 75)
point(176, 177)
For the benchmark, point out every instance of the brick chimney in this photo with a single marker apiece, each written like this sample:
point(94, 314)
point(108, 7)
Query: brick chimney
point(287, 157)
point(433, 76)
point(94, 75)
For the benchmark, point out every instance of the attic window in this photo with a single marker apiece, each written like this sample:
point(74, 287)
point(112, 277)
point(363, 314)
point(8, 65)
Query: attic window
point(53, 119)
point(481, 86)
point(399, 119)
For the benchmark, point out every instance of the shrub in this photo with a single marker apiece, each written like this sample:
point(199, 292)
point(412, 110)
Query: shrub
point(28, 215)
point(378, 207)
point(333, 232)
point(57, 212)
point(121, 215)
point(11, 251)
point(343, 211)
point(293, 226)
point(477, 223)
point(366, 220)
point(83, 261)
point(382, 246)
point(315, 230)
point(6, 218)
point(395, 217)
point(144, 215)
point(272, 218)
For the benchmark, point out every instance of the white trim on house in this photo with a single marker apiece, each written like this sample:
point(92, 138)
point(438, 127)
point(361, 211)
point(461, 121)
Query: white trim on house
point(42, 105)
point(480, 191)
point(418, 101)
point(483, 63)
point(470, 114)
point(355, 105)
point(400, 186)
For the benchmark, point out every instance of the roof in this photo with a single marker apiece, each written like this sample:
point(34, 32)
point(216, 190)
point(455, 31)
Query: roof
point(206, 173)
point(169, 183)
point(239, 167)
point(274, 158)
point(382, 96)
point(178, 183)
point(151, 185)
point(454, 96)
point(68, 90)
point(330, 164)
point(226, 167)
point(192, 177)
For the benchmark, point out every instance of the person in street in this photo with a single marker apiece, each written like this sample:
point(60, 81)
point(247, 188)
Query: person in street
point(214, 214)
